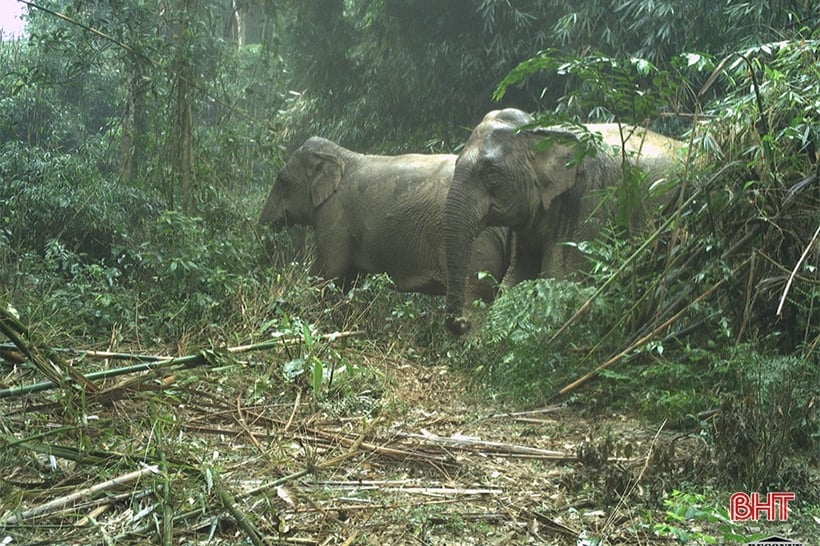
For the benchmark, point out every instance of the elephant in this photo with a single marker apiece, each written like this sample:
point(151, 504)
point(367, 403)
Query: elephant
point(544, 194)
point(379, 214)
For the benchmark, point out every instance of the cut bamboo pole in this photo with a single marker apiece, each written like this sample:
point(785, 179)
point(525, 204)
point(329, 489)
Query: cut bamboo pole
point(149, 362)
point(495, 447)
point(62, 502)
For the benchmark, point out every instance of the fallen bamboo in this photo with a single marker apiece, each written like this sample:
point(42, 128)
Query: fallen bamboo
point(353, 536)
point(496, 447)
point(98, 506)
point(527, 413)
point(428, 491)
point(45, 360)
point(229, 503)
point(148, 362)
point(62, 502)
point(83, 353)
point(355, 445)
point(383, 450)
point(443, 491)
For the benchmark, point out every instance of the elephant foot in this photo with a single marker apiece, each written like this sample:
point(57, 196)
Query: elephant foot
point(458, 326)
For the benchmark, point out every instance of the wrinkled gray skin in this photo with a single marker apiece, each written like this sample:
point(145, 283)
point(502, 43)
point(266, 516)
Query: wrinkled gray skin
point(501, 179)
point(379, 214)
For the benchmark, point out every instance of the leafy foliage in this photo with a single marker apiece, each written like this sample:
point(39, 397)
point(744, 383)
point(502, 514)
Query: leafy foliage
point(683, 508)
point(48, 196)
point(769, 403)
point(509, 352)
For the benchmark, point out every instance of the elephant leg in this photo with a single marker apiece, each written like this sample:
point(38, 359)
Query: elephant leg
point(527, 260)
point(488, 265)
point(334, 261)
point(348, 281)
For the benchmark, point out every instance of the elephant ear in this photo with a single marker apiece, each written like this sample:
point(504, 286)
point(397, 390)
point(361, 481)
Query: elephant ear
point(553, 172)
point(326, 178)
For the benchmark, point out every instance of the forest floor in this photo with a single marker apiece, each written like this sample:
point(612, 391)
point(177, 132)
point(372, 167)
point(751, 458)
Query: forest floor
point(395, 451)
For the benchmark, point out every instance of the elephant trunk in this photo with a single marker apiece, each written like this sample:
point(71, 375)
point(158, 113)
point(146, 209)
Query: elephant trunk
point(272, 212)
point(465, 215)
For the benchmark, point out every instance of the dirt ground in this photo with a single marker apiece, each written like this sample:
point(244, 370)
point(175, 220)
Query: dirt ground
point(395, 452)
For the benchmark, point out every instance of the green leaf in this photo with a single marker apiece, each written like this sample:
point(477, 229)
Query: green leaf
point(307, 337)
point(543, 61)
point(318, 376)
point(643, 66)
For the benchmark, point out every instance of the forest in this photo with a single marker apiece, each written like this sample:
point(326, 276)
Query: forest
point(174, 370)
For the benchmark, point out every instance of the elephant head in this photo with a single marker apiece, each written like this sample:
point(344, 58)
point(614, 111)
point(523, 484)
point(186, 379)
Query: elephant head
point(502, 178)
point(312, 174)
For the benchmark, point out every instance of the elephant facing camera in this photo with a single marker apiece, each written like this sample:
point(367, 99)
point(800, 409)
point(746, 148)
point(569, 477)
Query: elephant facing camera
point(547, 195)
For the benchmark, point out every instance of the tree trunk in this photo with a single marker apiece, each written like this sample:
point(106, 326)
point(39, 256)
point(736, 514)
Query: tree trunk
point(132, 140)
point(183, 143)
point(181, 133)
point(249, 21)
point(241, 25)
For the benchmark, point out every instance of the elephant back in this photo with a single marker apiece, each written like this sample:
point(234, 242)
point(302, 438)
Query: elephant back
point(653, 153)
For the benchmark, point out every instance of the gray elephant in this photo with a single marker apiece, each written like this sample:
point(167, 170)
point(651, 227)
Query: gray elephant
point(502, 179)
point(379, 214)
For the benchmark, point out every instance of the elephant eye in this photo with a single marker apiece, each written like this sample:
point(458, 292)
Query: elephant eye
point(491, 172)
point(489, 166)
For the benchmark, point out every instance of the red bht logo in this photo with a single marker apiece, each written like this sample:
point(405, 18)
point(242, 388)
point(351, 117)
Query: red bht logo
point(744, 507)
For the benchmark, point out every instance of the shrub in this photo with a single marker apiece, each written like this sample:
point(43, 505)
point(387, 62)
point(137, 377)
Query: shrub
point(768, 407)
point(509, 350)
point(48, 196)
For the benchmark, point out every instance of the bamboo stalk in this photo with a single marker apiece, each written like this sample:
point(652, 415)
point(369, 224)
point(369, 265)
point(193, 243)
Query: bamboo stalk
point(69, 453)
point(538, 411)
point(382, 450)
point(103, 355)
point(104, 374)
point(355, 445)
point(52, 366)
point(360, 485)
point(627, 263)
point(393, 487)
point(241, 518)
point(443, 491)
point(794, 271)
point(353, 536)
point(100, 505)
point(496, 447)
point(163, 491)
point(150, 362)
point(62, 502)
point(640, 342)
